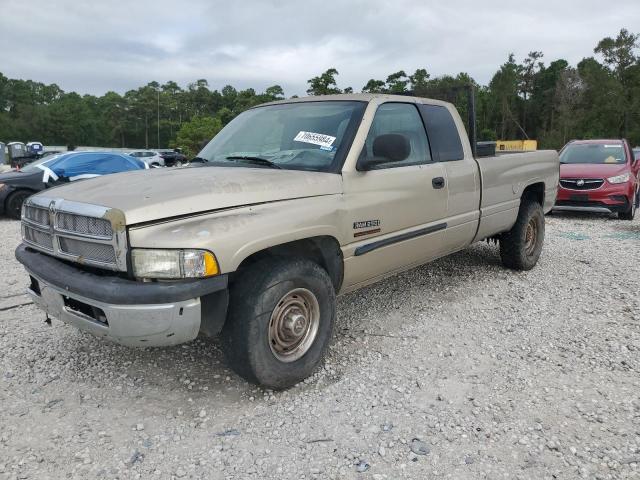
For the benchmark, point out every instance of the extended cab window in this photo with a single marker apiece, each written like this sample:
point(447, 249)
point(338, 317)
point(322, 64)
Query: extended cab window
point(403, 119)
point(445, 139)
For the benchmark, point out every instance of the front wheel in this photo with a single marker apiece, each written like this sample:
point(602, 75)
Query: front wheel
point(631, 212)
point(520, 247)
point(280, 321)
point(14, 203)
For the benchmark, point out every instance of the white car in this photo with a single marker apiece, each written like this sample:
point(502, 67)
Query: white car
point(150, 157)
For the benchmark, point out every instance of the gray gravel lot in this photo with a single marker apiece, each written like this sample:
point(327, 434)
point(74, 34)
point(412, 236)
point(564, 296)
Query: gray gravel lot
point(497, 374)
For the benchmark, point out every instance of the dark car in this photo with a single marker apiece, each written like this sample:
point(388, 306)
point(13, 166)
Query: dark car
point(172, 157)
point(50, 171)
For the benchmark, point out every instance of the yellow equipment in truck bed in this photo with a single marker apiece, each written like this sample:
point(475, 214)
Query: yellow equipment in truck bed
point(516, 145)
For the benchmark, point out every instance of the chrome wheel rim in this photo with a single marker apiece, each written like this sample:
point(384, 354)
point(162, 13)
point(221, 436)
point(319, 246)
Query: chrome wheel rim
point(293, 325)
point(531, 237)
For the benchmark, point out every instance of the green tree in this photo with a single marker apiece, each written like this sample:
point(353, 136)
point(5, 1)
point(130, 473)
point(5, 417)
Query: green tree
point(542, 109)
point(113, 112)
point(527, 74)
point(324, 84)
point(567, 99)
point(419, 80)
point(274, 92)
point(193, 133)
point(374, 86)
point(603, 101)
point(397, 82)
point(619, 53)
point(504, 90)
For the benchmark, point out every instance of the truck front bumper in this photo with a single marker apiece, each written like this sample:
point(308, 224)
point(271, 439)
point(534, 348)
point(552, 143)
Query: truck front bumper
point(128, 312)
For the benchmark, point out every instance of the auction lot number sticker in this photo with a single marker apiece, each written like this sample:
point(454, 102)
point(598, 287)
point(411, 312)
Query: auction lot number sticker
point(315, 138)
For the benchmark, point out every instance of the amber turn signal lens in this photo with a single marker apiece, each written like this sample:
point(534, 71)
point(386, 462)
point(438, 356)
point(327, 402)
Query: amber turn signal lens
point(210, 265)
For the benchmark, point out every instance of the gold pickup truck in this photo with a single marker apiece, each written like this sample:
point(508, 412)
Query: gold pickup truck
point(291, 204)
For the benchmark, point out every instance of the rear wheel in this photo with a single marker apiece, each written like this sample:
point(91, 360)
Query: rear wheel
point(520, 247)
point(631, 212)
point(281, 316)
point(14, 203)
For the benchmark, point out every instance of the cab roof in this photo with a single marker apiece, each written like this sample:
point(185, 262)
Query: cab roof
point(598, 141)
point(357, 97)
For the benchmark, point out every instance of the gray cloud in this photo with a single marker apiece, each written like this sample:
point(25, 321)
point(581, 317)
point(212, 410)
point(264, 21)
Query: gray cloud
point(93, 47)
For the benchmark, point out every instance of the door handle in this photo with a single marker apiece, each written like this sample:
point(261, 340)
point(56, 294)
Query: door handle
point(438, 182)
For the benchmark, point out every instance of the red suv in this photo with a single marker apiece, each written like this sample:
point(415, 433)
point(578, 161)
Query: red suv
point(599, 176)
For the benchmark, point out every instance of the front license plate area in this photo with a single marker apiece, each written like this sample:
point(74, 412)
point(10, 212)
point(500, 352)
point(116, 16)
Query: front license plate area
point(579, 197)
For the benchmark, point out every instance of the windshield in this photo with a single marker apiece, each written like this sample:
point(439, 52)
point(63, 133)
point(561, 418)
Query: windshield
point(593, 153)
point(33, 166)
point(297, 136)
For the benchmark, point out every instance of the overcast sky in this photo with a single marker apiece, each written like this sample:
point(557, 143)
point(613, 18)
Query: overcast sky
point(96, 46)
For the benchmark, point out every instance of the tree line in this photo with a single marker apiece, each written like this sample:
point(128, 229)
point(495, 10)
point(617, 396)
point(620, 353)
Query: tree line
point(552, 103)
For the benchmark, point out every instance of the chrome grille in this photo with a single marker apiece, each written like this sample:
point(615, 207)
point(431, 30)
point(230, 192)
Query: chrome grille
point(87, 250)
point(70, 222)
point(37, 215)
point(581, 183)
point(37, 237)
point(75, 231)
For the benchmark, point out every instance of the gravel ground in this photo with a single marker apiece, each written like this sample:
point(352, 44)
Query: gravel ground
point(457, 369)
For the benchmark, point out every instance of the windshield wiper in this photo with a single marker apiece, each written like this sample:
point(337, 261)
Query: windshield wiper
point(259, 160)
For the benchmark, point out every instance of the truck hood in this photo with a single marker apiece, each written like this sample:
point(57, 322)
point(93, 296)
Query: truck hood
point(591, 170)
point(150, 195)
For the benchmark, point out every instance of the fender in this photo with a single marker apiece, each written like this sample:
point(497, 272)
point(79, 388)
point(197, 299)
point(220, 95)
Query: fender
point(235, 234)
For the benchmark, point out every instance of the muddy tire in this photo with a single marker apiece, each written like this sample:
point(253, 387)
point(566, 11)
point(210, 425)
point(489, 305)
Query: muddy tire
point(520, 247)
point(14, 203)
point(280, 321)
point(631, 212)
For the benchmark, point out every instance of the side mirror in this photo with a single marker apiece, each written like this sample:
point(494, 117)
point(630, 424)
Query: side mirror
point(387, 148)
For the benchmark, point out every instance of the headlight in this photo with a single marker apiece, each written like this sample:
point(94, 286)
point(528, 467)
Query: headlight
point(619, 178)
point(175, 264)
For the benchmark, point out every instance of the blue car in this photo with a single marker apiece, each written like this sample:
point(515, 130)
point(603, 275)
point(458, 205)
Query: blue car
point(55, 170)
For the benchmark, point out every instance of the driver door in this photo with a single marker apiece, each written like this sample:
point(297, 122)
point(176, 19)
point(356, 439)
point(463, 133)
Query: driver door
point(395, 212)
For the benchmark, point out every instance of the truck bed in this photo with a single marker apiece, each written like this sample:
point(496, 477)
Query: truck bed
point(504, 176)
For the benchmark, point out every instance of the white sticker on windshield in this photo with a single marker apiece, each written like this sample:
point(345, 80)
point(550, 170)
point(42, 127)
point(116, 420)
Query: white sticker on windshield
point(612, 146)
point(315, 138)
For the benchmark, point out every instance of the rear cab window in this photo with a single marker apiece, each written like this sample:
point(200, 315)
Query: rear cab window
point(443, 133)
